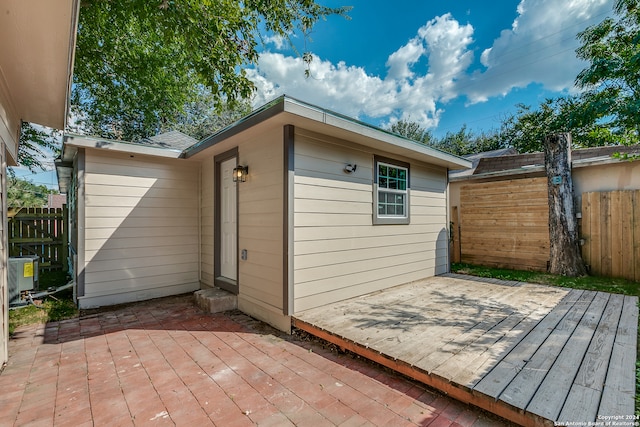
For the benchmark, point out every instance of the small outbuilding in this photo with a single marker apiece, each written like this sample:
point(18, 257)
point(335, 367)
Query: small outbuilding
point(291, 208)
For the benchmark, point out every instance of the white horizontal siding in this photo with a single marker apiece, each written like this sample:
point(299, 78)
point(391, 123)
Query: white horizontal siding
point(141, 244)
point(121, 182)
point(135, 222)
point(339, 253)
point(131, 253)
point(348, 234)
point(326, 245)
point(173, 211)
point(141, 227)
point(260, 222)
point(140, 233)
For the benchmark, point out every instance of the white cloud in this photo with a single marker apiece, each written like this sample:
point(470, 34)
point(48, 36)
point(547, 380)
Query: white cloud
point(448, 45)
point(276, 40)
point(401, 60)
point(538, 48)
point(404, 93)
point(434, 66)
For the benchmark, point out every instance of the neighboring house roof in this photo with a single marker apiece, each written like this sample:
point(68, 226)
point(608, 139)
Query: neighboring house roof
point(56, 201)
point(174, 139)
point(475, 159)
point(533, 163)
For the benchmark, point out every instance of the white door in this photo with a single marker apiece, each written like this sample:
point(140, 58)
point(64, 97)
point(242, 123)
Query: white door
point(228, 226)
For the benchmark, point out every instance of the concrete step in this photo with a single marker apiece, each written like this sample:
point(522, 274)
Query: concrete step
point(216, 300)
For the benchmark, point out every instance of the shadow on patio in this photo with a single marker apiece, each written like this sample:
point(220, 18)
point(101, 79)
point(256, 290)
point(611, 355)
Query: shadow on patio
point(166, 362)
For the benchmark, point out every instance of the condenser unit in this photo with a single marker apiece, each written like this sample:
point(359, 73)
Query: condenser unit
point(22, 275)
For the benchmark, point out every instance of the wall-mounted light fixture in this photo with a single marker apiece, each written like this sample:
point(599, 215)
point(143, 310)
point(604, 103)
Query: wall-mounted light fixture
point(349, 168)
point(240, 173)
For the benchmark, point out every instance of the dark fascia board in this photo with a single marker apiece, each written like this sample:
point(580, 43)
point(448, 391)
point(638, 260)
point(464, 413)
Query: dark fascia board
point(303, 110)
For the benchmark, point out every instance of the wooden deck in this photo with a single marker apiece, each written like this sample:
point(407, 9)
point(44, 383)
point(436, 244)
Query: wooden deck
point(533, 354)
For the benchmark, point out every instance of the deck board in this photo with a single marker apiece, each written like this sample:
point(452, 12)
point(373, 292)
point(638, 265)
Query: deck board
point(496, 343)
point(589, 381)
point(551, 395)
point(494, 383)
point(440, 326)
point(370, 312)
point(619, 388)
point(530, 353)
point(523, 387)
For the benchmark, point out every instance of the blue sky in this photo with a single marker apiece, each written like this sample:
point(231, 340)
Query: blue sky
point(442, 64)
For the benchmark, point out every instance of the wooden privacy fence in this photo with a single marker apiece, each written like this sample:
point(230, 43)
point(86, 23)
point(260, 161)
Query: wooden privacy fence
point(41, 232)
point(611, 232)
point(504, 224)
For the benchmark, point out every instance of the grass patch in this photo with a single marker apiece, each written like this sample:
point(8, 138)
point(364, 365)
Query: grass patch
point(53, 308)
point(592, 283)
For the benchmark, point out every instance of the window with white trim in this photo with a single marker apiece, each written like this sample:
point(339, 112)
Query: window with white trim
point(391, 192)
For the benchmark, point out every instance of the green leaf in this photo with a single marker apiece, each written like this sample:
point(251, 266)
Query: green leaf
point(140, 63)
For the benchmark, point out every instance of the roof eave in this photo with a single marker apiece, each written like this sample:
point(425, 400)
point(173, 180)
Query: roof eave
point(37, 57)
point(366, 134)
point(81, 141)
point(393, 143)
point(64, 172)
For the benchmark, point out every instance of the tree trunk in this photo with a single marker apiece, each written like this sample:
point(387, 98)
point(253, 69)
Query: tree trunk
point(565, 256)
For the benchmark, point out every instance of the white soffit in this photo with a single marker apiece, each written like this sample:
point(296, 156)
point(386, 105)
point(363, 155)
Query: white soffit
point(37, 43)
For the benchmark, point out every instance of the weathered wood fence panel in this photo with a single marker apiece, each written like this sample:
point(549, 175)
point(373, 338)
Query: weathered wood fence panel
point(505, 224)
point(611, 233)
point(41, 232)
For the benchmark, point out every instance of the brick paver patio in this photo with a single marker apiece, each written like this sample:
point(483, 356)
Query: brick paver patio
point(165, 362)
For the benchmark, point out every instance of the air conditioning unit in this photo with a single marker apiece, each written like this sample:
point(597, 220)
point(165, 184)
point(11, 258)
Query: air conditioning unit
point(22, 276)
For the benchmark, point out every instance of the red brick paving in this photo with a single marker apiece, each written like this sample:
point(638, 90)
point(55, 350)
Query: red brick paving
point(165, 362)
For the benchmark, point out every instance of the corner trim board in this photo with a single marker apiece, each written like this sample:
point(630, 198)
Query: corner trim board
point(287, 219)
point(80, 218)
